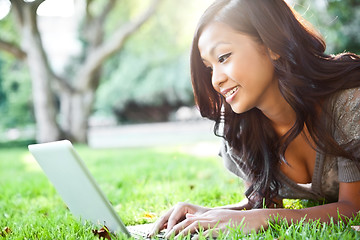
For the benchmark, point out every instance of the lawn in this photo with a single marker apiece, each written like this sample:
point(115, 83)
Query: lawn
point(141, 183)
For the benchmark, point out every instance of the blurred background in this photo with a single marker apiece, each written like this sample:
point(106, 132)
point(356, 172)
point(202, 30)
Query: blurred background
point(116, 72)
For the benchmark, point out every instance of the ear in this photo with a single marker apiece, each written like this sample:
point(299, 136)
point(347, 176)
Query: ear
point(274, 56)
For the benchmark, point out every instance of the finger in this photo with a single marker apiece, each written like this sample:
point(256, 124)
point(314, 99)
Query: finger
point(177, 215)
point(196, 226)
point(179, 227)
point(160, 224)
point(157, 227)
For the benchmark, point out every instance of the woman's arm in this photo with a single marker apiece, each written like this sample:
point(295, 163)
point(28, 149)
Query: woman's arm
point(220, 219)
point(181, 211)
point(347, 206)
point(243, 205)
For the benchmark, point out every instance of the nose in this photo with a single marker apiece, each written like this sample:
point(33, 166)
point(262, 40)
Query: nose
point(218, 78)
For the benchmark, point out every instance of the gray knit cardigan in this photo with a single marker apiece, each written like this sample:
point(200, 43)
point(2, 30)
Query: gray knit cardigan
point(329, 170)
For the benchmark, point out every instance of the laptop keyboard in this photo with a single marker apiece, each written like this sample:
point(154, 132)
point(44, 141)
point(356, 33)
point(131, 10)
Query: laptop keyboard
point(141, 232)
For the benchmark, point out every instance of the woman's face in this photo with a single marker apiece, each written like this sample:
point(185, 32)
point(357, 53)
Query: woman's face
point(242, 70)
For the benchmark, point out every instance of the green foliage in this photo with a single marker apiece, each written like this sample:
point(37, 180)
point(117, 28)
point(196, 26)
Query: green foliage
point(338, 21)
point(146, 82)
point(8, 30)
point(153, 68)
point(2, 91)
point(122, 13)
point(347, 14)
point(15, 84)
point(15, 94)
point(17, 144)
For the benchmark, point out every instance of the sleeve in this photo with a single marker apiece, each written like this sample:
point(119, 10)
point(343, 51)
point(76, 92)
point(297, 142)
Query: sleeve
point(232, 161)
point(347, 117)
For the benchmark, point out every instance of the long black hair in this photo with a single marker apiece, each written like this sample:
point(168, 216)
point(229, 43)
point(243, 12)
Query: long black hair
point(307, 79)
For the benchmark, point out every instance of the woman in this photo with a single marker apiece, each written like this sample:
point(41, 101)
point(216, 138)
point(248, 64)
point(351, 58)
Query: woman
point(289, 115)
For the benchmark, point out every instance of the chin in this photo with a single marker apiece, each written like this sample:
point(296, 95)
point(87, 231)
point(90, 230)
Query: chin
point(240, 109)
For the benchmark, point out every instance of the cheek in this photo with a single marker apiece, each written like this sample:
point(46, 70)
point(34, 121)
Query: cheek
point(246, 67)
point(268, 72)
point(262, 72)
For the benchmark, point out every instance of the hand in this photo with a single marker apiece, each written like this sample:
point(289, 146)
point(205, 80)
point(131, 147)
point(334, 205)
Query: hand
point(176, 215)
point(219, 220)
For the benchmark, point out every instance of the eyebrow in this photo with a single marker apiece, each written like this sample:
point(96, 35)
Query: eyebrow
point(212, 49)
point(216, 45)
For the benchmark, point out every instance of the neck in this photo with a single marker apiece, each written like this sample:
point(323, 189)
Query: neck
point(281, 114)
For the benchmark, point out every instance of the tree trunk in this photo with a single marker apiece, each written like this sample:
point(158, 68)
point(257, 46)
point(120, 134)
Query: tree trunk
point(75, 111)
point(43, 97)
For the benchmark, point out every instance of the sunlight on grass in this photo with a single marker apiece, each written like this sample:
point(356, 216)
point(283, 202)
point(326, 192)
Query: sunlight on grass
point(141, 183)
point(30, 162)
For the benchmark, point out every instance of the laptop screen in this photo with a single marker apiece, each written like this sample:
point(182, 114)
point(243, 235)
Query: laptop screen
point(75, 184)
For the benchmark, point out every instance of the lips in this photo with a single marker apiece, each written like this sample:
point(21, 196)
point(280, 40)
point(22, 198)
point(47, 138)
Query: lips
point(229, 92)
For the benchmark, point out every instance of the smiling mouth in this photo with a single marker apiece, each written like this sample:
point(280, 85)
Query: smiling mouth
point(231, 92)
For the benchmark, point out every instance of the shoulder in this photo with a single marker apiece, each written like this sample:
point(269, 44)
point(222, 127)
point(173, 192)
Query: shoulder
point(345, 107)
point(347, 100)
point(346, 114)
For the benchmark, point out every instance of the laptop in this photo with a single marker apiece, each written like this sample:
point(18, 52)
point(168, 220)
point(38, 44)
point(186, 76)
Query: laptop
point(79, 190)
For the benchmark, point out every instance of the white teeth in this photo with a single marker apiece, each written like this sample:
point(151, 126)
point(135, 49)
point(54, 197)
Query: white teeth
point(231, 92)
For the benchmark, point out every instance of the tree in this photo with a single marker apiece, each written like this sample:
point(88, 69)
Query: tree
point(338, 21)
point(346, 15)
point(15, 92)
point(148, 80)
point(62, 104)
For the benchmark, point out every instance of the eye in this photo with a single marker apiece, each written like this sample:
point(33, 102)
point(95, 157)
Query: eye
point(224, 57)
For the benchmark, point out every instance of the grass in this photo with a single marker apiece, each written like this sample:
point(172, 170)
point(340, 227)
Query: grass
point(140, 183)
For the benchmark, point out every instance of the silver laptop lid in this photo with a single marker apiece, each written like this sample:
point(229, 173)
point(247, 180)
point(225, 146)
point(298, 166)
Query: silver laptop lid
point(75, 184)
